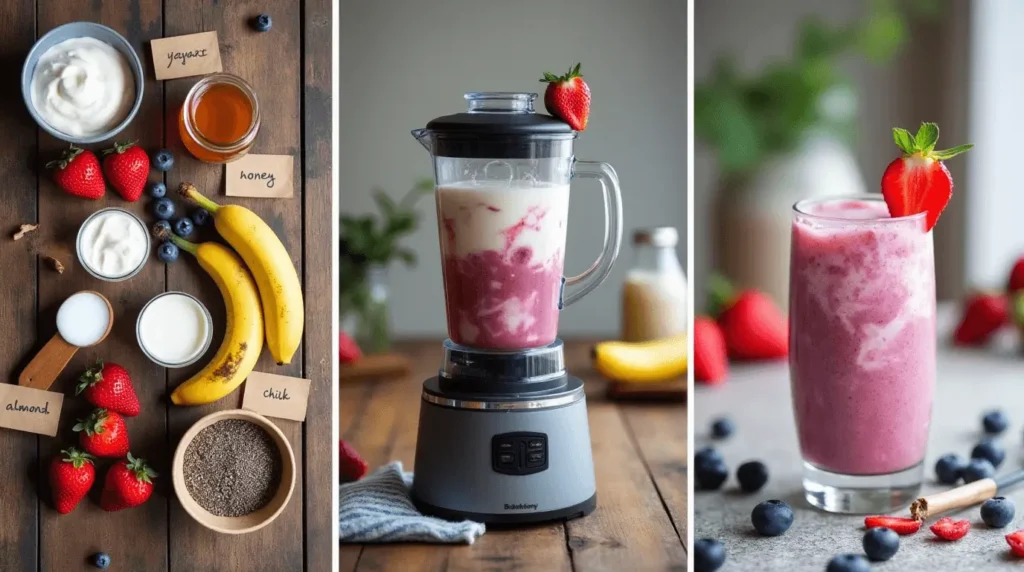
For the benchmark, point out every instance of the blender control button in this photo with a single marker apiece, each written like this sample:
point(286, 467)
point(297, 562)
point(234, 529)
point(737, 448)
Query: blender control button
point(535, 444)
point(505, 446)
point(533, 459)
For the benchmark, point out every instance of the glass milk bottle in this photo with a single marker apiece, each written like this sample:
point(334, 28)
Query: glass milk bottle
point(654, 294)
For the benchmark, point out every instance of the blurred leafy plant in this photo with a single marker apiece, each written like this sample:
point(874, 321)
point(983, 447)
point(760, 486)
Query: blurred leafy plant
point(747, 119)
point(373, 241)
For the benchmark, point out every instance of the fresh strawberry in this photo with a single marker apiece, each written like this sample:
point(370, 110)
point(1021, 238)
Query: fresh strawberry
point(348, 351)
point(983, 315)
point(1016, 542)
point(72, 474)
point(710, 362)
point(753, 326)
point(78, 173)
point(567, 97)
point(126, 167)
point(351, 467)
point(129, 483)
point(103, 434)
point(109, 386)
point(897, 524)
point(948, 529)
point(1016, 281)
point(918, 182)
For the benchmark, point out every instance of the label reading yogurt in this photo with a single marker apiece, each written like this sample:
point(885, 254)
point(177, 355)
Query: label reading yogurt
point(276, 396)
point(186, 56)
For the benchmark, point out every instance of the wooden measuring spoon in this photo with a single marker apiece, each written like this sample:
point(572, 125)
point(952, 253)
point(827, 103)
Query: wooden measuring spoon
point(43, 370)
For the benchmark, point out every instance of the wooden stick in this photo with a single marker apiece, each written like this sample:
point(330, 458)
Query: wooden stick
point(960, 497)
point(376, 366)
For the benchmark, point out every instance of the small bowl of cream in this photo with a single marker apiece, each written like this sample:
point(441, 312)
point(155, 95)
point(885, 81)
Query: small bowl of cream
point(82, 82)
point(174, 329)
point(113, 244)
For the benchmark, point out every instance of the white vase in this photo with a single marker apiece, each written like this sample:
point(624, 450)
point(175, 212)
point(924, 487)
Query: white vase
point(753, 218)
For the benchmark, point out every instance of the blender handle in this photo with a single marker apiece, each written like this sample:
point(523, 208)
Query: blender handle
point(578, 286)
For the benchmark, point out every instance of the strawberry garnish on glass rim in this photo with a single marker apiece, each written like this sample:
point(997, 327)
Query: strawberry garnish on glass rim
point(918, 182)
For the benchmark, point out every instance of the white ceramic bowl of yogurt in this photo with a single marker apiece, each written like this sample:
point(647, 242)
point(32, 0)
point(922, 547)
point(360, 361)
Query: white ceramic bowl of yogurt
point(82, 82)
point(174, 329)
point(113, 244)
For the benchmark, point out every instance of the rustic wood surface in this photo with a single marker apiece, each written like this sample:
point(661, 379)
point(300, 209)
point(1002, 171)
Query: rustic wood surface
point(639, 456)
point(289, 68)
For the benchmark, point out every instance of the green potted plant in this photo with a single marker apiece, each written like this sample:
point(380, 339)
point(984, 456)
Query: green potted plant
point(782, 134)
point(369, 244)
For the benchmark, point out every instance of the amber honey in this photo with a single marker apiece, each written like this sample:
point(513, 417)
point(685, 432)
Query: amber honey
point(219, 119)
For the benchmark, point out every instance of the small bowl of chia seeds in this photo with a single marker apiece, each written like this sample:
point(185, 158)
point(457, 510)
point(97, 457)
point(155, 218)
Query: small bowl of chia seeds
point(234, 471)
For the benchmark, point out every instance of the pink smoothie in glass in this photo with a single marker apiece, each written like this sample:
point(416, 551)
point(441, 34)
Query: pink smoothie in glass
point(862, 336)
point(502, 250)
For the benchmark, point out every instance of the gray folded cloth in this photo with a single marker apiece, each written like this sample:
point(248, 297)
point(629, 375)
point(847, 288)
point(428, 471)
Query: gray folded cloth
point(377, 509)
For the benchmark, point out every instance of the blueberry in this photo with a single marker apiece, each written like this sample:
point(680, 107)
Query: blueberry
point(183, 227)
point(201, 217)
point(167, 252)
point(706, 454)
point(994, 422)
point(880, 543)
point(262, 23)
point(711, 474)
point(163, 160)
point(772, 518)
point(752, 475)
point(722, 428)
point(708, 555)
point(157, 190)
point(978, 469)
point(949, 468)
point(163, 208)
point(848, 563)
point(160, 226)
point(101, 560)
point(991, 450)
point(998, 512)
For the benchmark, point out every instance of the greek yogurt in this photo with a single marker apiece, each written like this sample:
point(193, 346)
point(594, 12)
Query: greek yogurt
point(113, 244)
point(174, 329)
point(82, 87)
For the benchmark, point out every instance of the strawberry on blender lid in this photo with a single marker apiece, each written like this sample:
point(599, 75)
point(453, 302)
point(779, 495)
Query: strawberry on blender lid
point(918, 182)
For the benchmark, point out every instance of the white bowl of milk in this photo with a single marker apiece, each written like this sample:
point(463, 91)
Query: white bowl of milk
point(174, 329)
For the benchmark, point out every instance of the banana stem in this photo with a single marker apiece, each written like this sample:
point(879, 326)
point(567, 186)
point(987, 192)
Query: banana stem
point(189, 191)
point(165, 234)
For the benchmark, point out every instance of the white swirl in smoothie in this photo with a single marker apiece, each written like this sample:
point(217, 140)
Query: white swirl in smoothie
point(82, 87)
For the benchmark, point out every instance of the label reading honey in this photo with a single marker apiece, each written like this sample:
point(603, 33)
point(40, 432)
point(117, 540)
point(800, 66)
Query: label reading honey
point(276, 395)
point(29, 409)
point(261, 176)
point(185, 56)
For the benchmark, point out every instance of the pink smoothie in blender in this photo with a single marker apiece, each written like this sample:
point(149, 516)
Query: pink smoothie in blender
point(503, 253)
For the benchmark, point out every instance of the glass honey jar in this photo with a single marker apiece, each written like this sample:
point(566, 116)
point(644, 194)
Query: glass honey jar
point(220, 118)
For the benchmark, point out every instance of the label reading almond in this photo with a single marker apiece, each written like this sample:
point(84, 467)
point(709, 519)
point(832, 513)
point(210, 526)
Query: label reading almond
point(276, 395)
point(186, 56)
point(260, 176)
point(29, 409)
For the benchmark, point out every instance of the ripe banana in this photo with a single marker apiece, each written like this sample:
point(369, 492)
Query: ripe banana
point(642, 362)
point(243, 337)
point(262, 251)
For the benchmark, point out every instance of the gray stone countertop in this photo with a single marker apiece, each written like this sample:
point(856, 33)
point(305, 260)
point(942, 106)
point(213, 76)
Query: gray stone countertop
point(757, 398)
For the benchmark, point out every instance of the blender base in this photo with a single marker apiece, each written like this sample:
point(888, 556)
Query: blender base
point(508, 460)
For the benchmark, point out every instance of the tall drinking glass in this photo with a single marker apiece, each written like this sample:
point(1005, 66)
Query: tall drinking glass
point(862, 351)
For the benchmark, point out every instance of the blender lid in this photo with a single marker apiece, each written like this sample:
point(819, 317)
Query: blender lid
point(500, 125)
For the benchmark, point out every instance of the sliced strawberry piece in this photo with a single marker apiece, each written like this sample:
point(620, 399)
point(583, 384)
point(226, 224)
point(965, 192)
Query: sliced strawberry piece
point(948, 529)
point(918, 182)
point(1016, 542)
point(983, 315)
point(898, 524)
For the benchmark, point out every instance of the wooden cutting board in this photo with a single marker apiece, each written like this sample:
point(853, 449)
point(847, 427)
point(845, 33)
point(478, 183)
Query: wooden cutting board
point(376, 366)
point(674, 390)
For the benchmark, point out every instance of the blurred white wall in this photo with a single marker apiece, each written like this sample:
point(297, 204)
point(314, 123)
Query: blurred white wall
point(404, 62)
point(927, 82)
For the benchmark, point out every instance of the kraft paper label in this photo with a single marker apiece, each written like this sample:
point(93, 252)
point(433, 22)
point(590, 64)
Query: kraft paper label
point(260, 176)
point(29, 409)
point(276, 396)
point(185, 56)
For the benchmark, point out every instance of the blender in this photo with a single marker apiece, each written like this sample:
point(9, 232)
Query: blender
point(503, 432)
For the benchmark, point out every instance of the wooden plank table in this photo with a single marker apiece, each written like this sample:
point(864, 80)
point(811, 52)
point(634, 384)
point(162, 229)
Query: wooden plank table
point(289, 68)
point(639, 456)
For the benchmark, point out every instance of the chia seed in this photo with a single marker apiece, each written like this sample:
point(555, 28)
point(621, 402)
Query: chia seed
point(232, 468)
